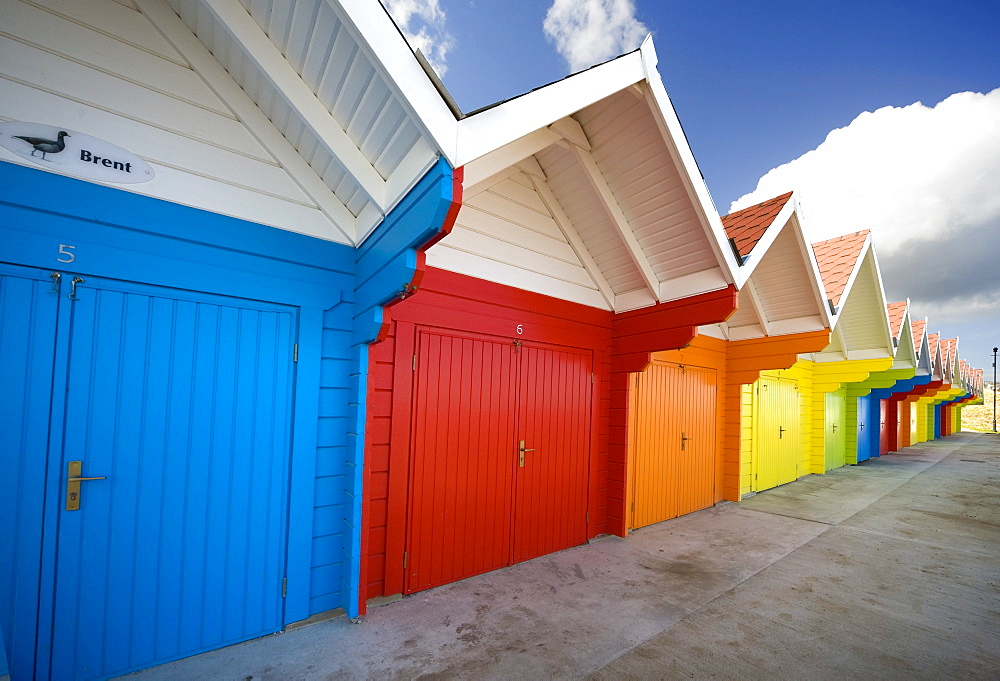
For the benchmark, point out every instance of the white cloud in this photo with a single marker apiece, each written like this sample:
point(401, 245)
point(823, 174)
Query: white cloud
point(587, 32)
point(423, 22)
point(908, 173)
point(926, 181)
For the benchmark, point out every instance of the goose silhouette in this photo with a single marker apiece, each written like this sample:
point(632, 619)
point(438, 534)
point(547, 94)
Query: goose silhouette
point(45, 146)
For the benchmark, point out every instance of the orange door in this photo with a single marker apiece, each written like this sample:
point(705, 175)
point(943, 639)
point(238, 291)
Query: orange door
point(672, 445)
point(473, 506)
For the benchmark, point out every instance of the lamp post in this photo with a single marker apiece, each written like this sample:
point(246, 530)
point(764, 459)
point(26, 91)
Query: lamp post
point(995, 389)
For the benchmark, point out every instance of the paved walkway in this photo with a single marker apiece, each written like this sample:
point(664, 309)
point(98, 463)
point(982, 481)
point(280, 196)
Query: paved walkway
point(887, 570)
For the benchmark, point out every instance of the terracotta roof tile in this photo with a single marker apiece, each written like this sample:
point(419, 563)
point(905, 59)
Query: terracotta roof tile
point(746, 227)
point(896, 313)
point(918, 333)
point(949, 350)
point(932, 340)
point(836, 258)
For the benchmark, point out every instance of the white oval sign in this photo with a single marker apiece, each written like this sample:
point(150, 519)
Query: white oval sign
point(73, 153)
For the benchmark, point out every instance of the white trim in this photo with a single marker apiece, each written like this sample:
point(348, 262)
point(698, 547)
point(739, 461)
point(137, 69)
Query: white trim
point(750, 289)
point(778, 225)
point(500, 125)
point(180, 38)
point(510, 154)
point(673, 134)
point(614, 212)
point(389, 50)
point(272, 66)
point(569, 231)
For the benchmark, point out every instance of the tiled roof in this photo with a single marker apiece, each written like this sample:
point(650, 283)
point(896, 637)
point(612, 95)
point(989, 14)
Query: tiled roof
point(932, 340)
point(836, 258)
point(949, 349)
point(896, 313)
point(918, 333)
point(746, 227)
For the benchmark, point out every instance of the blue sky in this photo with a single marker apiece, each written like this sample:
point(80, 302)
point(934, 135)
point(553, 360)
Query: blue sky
point(758, 85)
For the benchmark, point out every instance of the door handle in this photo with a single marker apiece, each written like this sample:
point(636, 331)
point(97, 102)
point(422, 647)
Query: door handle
point(74, 476)
point(520, 454)
point(781, 432)
point(684, 439)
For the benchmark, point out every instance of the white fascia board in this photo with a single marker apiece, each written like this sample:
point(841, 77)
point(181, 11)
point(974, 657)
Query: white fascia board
point(881, 293)
point(875, 353)
point(507, 156)
point(481, 133)
point(693, 284)
point(663, 111)
point(819, 290)
point(759, 252)
point(232, 18)
point(867, 262)
point(392, 55)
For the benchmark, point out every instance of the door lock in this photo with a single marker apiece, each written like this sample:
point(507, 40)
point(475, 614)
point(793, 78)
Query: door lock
point(520, 454)
point(74, 473)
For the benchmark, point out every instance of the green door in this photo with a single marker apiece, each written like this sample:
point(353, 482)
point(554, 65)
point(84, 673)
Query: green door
point(836, 446)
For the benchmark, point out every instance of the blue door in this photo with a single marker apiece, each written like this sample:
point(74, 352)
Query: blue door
point(864, 429)
point(180, 403)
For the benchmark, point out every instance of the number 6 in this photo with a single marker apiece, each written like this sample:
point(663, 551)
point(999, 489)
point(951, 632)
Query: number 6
point(520, 329)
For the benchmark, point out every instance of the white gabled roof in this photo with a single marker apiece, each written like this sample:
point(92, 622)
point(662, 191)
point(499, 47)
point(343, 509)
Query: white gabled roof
point(602, 200)
point(781, 291)
point(327, 75)
point(853, 283)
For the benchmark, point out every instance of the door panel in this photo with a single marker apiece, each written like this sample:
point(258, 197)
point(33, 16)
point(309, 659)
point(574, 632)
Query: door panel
point(834, 439)
point(473, 508)
point(777, 433)
point(655, 445)
point(673, 443)
point(181, 402)
point(886, 425)
point(464, 455)
point(863, 447)
point(553, 419)
point(696, 466)
point(28, 309)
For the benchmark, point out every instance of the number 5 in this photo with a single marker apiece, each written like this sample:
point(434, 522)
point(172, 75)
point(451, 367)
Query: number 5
point(67, 251)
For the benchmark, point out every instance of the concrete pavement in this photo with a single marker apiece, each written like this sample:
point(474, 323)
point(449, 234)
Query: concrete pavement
point(886, 570)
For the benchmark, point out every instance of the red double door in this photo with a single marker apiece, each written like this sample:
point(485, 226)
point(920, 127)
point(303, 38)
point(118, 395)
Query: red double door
point(477, 502)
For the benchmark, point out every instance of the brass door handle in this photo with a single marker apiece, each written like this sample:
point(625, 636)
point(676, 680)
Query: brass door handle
point(684, 439)
point(74, 477)
point(520, 453)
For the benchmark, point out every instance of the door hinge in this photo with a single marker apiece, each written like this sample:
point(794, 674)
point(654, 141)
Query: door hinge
point(588, 517)
point(295, 353)
point(284, 587)
point(405, 556)
point(593, 378)
point(414, 367)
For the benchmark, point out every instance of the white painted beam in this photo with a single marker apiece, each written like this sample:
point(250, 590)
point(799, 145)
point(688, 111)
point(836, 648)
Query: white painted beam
point(750, 294)
point(273, 67)
point(573, 237)
point(508, 155)
point(222, 84)
point(614, 212)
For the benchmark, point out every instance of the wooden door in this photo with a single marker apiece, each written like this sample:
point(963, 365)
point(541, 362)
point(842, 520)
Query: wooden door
point(179, 404)
point(673, 442)
point(777, 429)
point(834, 435)
point(550, 509)
point(473, 507)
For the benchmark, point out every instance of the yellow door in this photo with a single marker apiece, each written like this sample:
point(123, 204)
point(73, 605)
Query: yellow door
point(672, 444)
point(776, 454)
point(836, 445)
